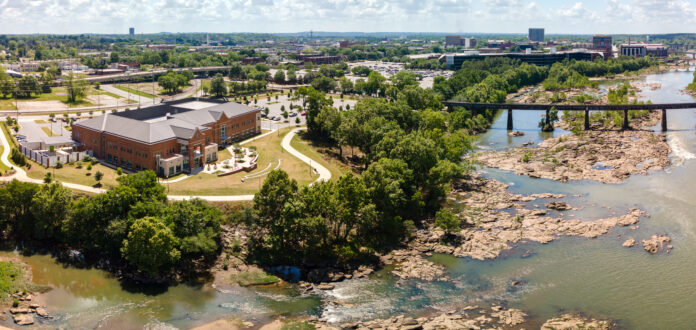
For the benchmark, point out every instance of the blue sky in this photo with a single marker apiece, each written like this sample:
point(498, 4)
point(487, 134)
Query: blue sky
point(461, 16)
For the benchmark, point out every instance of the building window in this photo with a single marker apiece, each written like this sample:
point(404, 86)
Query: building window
point(223, 132)
point(171, 170)
point(178, 168)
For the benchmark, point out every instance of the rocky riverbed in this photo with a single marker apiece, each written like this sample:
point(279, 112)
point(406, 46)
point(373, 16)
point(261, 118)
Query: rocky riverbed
point(470, 317)
point(494, 220)
point(604, 156)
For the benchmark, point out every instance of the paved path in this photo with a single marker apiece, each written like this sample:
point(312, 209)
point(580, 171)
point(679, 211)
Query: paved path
point(21, 175)
point(324, 173)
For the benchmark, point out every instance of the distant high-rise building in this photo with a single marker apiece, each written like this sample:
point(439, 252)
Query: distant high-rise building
point(536, 35)
point(131, 31)
point(601, 42)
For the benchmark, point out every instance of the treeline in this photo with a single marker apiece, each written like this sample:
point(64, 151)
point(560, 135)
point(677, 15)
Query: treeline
point(132, 224)
point(575, 74)
point(410, 155)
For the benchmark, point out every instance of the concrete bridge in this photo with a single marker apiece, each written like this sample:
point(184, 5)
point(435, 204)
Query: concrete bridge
point(153, 73)
point(476, 107)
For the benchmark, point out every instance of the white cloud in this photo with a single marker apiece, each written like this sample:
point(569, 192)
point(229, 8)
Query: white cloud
point(115, 16)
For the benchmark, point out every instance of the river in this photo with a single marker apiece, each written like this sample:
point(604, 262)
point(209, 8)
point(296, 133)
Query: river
point(597, 277)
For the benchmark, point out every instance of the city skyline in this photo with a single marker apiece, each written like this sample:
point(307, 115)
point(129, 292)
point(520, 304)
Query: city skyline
point(287, 16)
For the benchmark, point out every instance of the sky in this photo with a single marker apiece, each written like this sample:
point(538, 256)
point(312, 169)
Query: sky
point(279, 16)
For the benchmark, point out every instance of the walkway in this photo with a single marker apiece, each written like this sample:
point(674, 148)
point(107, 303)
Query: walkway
point(324, 173)
point(21, 175)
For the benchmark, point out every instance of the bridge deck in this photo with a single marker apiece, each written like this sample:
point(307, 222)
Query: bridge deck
point(475, 107)
point(574, 107)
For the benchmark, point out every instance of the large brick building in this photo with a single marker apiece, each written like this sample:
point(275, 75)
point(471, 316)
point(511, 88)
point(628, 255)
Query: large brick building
point(170, 138)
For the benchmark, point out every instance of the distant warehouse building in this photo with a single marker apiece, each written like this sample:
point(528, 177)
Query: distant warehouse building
point(175, 137)
point(642, 50)
point(459, 41)
point(454, 61)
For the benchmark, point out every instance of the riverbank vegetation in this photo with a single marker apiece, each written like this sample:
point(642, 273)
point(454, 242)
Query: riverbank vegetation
point(622, 94)
point(132, 225)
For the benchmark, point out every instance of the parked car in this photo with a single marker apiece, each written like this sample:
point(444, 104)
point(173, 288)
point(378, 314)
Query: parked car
point(293, 114)
point(303, 113)
point(277, 118)
point(263, 115)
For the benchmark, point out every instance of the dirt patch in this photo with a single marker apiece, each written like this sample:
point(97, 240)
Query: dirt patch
point(41, 105)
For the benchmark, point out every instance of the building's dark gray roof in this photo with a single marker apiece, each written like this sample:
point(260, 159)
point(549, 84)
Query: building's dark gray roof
point(178, 125)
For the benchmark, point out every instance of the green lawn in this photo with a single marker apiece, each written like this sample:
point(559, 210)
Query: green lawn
point(12, 279)
point(56, 94)
point(305, 147)
point(48, 131)
point(134, 91)
point(270, 152)
point(72, 174)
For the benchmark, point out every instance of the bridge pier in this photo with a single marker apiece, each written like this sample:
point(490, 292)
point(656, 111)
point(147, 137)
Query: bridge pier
point(587, 120)
point(664, 120)
point(509, 119)
point(625, 120)
point(548, 118)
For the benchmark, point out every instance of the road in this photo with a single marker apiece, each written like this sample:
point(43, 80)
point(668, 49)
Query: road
point(21, 175)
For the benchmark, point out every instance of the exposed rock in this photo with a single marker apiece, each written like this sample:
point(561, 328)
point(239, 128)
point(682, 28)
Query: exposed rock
point(572, 322)
point(558, 206)
point(411, 265)
point(629, 242)
point(516, 133)
point(604, 156)
point(325, 286)
point(490, 230)
point(510, 317)
point(20, 310)
point(656, 244)
point(23, 319)
point(42, 312)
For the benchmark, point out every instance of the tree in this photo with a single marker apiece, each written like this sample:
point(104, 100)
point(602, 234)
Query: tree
point(7, 85)
point(218, 86)
point(404, 78)
point(279, 77)
point(98, 177)
point(446, 220)
point(285, 114)
point(324, 84)
point(76, 87)
point(151, 246)
point(114, 57)
point(26, 86)
point(48, 178)
point(375, 83)
point(235, 70)
point(196, 224)
point(49, 207)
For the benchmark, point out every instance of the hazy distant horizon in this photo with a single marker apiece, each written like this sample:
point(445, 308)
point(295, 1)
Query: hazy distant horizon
point(286, 16)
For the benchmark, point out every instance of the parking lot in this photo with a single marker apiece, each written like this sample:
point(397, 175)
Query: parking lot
point(275, 106)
